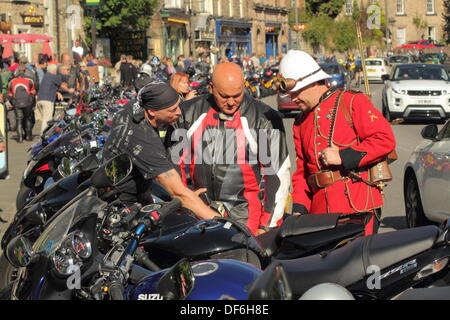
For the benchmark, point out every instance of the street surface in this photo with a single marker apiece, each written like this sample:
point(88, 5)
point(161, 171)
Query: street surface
point(407, 135)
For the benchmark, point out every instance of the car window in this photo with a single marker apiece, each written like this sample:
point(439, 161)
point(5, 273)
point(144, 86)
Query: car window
point(420, 73)
point(398, 59)
point(374, 62)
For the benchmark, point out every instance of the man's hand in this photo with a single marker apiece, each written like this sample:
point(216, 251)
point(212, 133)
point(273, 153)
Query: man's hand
point(330, 156)
point(2, 147)
point(59, 96)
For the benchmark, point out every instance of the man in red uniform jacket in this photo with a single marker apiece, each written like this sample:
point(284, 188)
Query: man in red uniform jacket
point(325, 156)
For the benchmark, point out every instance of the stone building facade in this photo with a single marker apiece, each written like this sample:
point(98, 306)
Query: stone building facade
point(220, 28)
point(61, 20)
point(408, 20)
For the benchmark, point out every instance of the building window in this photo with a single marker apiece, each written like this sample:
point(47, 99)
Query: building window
point(173, 3)
point(348, 7)
point(431, 33)
point(401, 36)
point(430, 7)
point(400, 7)
point(209, 6)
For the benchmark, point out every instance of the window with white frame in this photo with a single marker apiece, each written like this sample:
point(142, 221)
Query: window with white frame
point(401, 36)
point(430, 7)
point(173, 3)
point(400, 6)
point(348, 7)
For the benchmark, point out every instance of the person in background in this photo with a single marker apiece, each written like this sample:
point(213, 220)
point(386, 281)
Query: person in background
point(12, 64)
point(78, 49)
point(21, 94)
point(118, 73)
point(41, 66)
point(48, 92)
point(6, 77)
point(180, 82)
point(128, 72)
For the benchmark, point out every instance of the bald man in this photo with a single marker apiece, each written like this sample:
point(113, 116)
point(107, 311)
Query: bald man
point(235, 147)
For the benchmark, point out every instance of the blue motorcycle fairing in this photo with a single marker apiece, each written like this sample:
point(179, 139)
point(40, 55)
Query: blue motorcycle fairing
point(212, 281)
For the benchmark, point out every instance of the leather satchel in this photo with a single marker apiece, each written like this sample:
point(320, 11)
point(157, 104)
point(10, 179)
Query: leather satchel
point(379, 172)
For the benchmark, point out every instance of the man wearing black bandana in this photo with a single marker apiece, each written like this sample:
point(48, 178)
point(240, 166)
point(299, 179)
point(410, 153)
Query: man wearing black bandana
point(135, 132)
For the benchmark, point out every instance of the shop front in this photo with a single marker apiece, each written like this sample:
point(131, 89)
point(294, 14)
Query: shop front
point(233, 38)
point(272, 31)
point(176, 37)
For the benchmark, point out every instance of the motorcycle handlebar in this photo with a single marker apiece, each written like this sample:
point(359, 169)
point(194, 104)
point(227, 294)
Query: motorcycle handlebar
point(116, 291)
point(173, 205)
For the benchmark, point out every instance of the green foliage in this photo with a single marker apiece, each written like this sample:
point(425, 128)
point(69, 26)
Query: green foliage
point(118, 15)
point(446, 16)
point(330, 8)
point(344, 37)
point(318, 30)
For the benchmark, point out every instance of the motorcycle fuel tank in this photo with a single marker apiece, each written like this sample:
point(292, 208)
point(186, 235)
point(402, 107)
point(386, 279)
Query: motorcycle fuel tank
point(214, 280)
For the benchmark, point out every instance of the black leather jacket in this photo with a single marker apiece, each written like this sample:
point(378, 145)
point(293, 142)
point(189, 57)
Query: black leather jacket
point(242, 160)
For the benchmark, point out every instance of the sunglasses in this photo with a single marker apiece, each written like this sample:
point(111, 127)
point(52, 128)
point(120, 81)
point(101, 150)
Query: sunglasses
point(289, 84)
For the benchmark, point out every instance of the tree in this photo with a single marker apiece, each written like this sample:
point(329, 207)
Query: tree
point(318, 32)
point(446, 16)
point(344, 37)
point(115, 16)
point(330, 8)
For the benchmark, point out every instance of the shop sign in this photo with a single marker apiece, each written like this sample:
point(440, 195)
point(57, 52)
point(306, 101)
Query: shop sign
point(33, 20)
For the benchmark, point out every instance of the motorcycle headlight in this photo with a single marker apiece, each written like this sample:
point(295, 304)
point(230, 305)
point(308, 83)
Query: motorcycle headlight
point(334, 83)
point(28, 169)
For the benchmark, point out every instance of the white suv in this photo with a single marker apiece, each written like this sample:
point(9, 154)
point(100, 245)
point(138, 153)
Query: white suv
point(417, 91)
point(426, 182)
point(376, 69)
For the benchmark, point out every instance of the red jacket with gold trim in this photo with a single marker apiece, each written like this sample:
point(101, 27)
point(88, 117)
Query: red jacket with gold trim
point(369, 141)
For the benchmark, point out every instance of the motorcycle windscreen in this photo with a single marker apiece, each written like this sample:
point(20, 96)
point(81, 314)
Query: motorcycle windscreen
point(4, 154)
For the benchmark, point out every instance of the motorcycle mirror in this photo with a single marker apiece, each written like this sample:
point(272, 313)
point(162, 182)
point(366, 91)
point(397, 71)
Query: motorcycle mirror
point(178, 282)
point(89, 163)
point(272, 284)
point(19, 252)
point(113, 172)
point(64, 168)
point(430, 132)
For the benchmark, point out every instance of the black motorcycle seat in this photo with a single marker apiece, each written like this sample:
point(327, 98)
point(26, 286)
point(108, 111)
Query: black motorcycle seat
point(295, 226)
point(307, 223)
point(348, 264)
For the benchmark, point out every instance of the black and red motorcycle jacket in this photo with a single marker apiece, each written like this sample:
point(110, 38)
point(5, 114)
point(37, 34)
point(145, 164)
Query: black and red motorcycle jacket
point(242, 159)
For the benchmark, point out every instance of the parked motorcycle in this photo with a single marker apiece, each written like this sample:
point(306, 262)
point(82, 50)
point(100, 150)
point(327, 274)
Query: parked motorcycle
point(380, 266)
point(69, 261)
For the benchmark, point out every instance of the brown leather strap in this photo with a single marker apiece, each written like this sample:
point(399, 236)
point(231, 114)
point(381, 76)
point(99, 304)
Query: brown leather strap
point(324, 179)
point(346, 112)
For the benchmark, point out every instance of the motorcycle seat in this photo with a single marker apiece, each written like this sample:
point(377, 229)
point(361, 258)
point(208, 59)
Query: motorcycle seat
point(295, 226)
point(348, 264)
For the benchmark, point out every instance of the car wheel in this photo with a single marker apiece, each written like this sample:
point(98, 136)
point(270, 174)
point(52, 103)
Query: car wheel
point(386, 112)
point(415, 216)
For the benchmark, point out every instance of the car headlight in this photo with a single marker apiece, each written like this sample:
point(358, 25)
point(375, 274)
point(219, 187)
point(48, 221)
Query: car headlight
point(398, 91)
